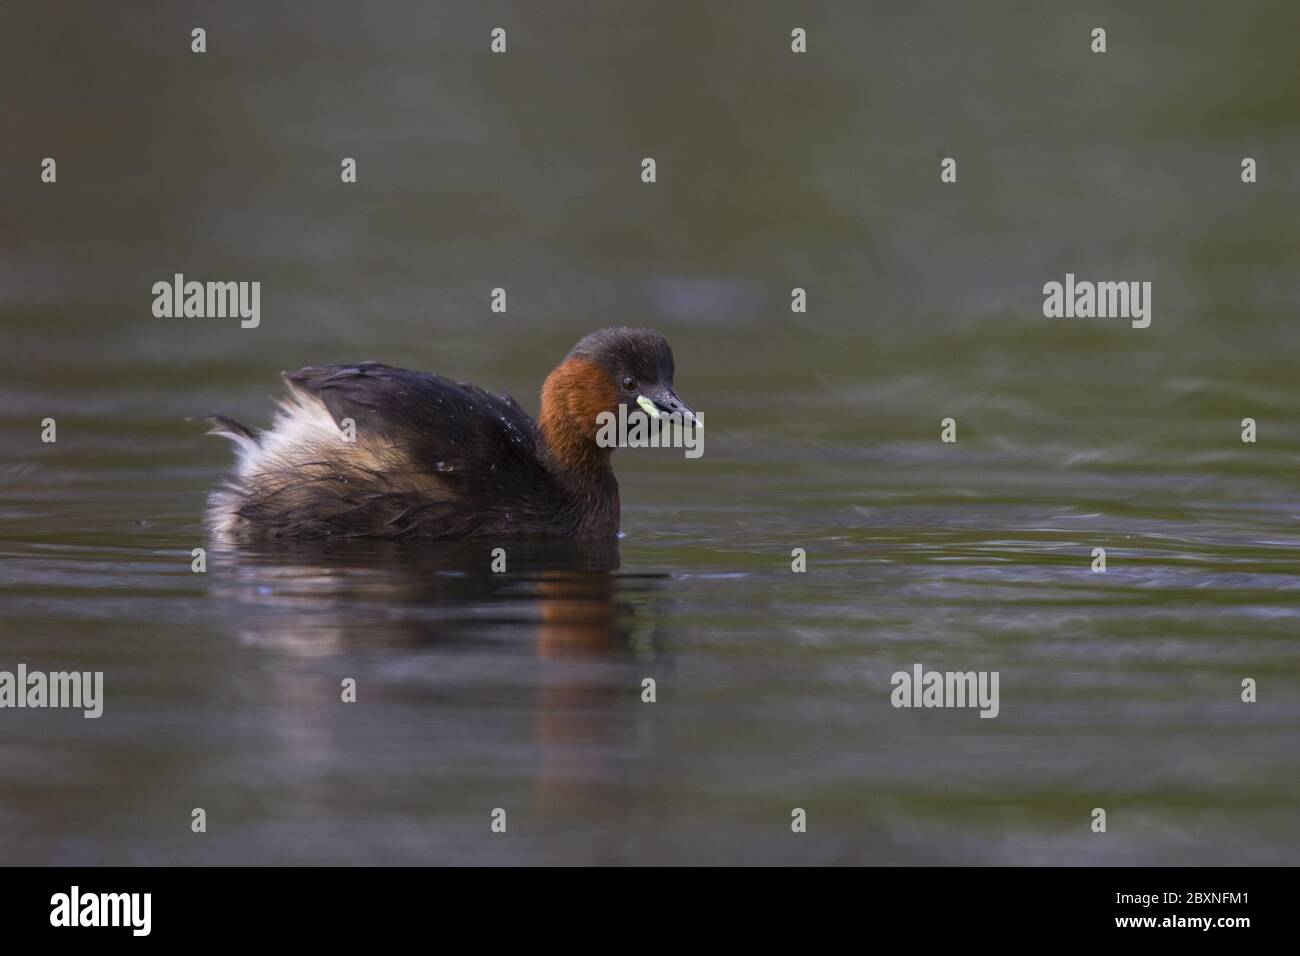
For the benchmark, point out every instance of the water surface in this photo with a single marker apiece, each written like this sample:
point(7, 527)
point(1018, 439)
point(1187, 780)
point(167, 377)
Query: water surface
point(522, 690)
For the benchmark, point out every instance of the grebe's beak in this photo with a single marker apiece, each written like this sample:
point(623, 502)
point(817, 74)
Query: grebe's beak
point(662, 400)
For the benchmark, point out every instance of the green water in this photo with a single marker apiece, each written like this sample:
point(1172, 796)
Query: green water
point(523, 691)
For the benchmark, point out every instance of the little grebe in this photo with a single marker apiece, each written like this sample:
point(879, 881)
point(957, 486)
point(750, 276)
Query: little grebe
point(432, 458)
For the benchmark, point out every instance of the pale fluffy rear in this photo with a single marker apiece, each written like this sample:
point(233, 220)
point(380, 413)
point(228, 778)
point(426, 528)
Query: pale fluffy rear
point(303, 463)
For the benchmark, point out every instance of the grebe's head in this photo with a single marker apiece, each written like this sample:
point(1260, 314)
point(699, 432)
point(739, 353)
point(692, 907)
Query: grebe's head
point(608, 368)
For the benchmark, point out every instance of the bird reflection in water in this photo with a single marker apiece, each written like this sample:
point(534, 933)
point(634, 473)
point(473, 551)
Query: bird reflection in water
point(444, 642)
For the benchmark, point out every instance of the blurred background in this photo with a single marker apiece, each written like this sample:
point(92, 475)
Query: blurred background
point(775, 170)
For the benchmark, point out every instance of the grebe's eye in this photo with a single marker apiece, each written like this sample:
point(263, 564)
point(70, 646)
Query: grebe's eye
point(629, 383)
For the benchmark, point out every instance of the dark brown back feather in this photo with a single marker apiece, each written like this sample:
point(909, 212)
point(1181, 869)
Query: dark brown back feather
point(484, 448)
